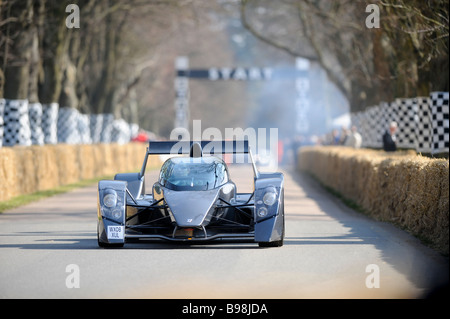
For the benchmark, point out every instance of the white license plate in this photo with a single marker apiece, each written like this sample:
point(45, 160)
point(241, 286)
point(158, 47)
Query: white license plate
point(115, 232)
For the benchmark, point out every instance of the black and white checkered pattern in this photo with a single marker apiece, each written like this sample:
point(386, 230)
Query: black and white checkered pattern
point(107, 128)
point(2, 108)
point(423, 129)
point(389, 112)
point(35, 117)
point(360, 120)
point(68, 126)
point(22, 123)
point(16, 123)
point(84, 128)
point(423, 123)
point(366, 127)
point(96, 125)
point(121, 133)
point(134, 130)
point(50, 122)
point(376, 126)
point(439, 103)
point(373, 122)
point(370, 126)
point(407, 122)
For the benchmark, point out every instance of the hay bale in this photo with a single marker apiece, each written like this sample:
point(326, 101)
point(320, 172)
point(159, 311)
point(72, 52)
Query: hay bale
point(68, 168)
point(46, 171)
point(26, 180)
point(25, 170)
point(409, 190)
point(8, 176)
point(85, 159)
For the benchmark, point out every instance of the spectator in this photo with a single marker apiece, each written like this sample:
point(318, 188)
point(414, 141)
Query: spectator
point(344, 136)
point(354, 139)
point(335, 137)
point(389, 138)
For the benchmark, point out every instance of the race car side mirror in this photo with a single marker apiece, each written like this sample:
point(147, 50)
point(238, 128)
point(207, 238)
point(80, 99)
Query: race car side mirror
point(157, 188)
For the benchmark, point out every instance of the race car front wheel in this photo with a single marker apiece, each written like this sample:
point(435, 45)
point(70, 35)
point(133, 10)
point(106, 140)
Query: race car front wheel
point(107, 245)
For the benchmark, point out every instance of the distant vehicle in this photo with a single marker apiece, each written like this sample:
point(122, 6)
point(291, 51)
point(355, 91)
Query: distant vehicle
point(194, 200)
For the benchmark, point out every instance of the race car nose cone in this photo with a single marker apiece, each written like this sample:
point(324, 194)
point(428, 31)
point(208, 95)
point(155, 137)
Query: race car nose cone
point(190, 209)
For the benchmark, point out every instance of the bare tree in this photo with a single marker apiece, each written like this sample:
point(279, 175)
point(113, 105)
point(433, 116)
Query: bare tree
point(367, 64)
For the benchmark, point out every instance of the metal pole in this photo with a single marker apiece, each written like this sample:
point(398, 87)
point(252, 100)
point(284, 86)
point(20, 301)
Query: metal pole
point(302, 102)
point(182, 94)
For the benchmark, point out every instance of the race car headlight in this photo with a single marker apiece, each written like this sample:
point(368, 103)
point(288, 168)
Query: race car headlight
point(270, 197)
point(110, 199)
point(116, 213)
point(262, 212)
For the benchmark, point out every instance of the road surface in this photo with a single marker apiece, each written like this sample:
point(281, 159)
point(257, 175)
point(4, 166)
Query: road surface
point(48, 249)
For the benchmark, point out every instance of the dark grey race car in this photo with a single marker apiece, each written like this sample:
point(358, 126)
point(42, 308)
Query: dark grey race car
point(193, 201)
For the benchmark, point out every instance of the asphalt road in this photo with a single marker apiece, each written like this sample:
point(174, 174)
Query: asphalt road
point(48, 249)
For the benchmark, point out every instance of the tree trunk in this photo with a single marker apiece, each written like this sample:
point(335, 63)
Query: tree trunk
point(68, 96)
point(102, 95)
point(35, 56)
point(18, 60)
point(53, 48)
point(382, 73)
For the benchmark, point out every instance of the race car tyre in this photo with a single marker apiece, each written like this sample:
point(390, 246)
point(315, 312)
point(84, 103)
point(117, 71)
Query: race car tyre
point(277, 243)
point(108, 245)
point(105, 245)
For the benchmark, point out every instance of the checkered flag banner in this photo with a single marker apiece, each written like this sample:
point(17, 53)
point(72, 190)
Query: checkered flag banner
point(2, 108)
point(424, 128)
point(361, 122)
point(16, 129)
point(35, 117)
point(375, 127)
point(24, 123)
point(370, 126)
point(134, 130)
point(423, 123)
point(107, 128)
point(84, 128)
point(407, 122)
point(389, 111)
point(96, 125)
point(440, 121)
point(68, 126)
point(120, 132)
point(365, 128)
point(50, 122)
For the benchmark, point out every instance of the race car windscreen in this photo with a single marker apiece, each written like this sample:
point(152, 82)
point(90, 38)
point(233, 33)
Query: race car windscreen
point(193, 174)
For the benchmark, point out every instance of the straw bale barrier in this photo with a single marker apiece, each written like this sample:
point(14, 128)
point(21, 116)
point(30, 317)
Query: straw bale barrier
point(406, 189)
point(28, 169)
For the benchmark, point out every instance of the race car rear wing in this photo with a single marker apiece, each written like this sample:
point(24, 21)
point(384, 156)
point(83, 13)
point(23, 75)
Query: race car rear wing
point(198, 149)
point(207, 147)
